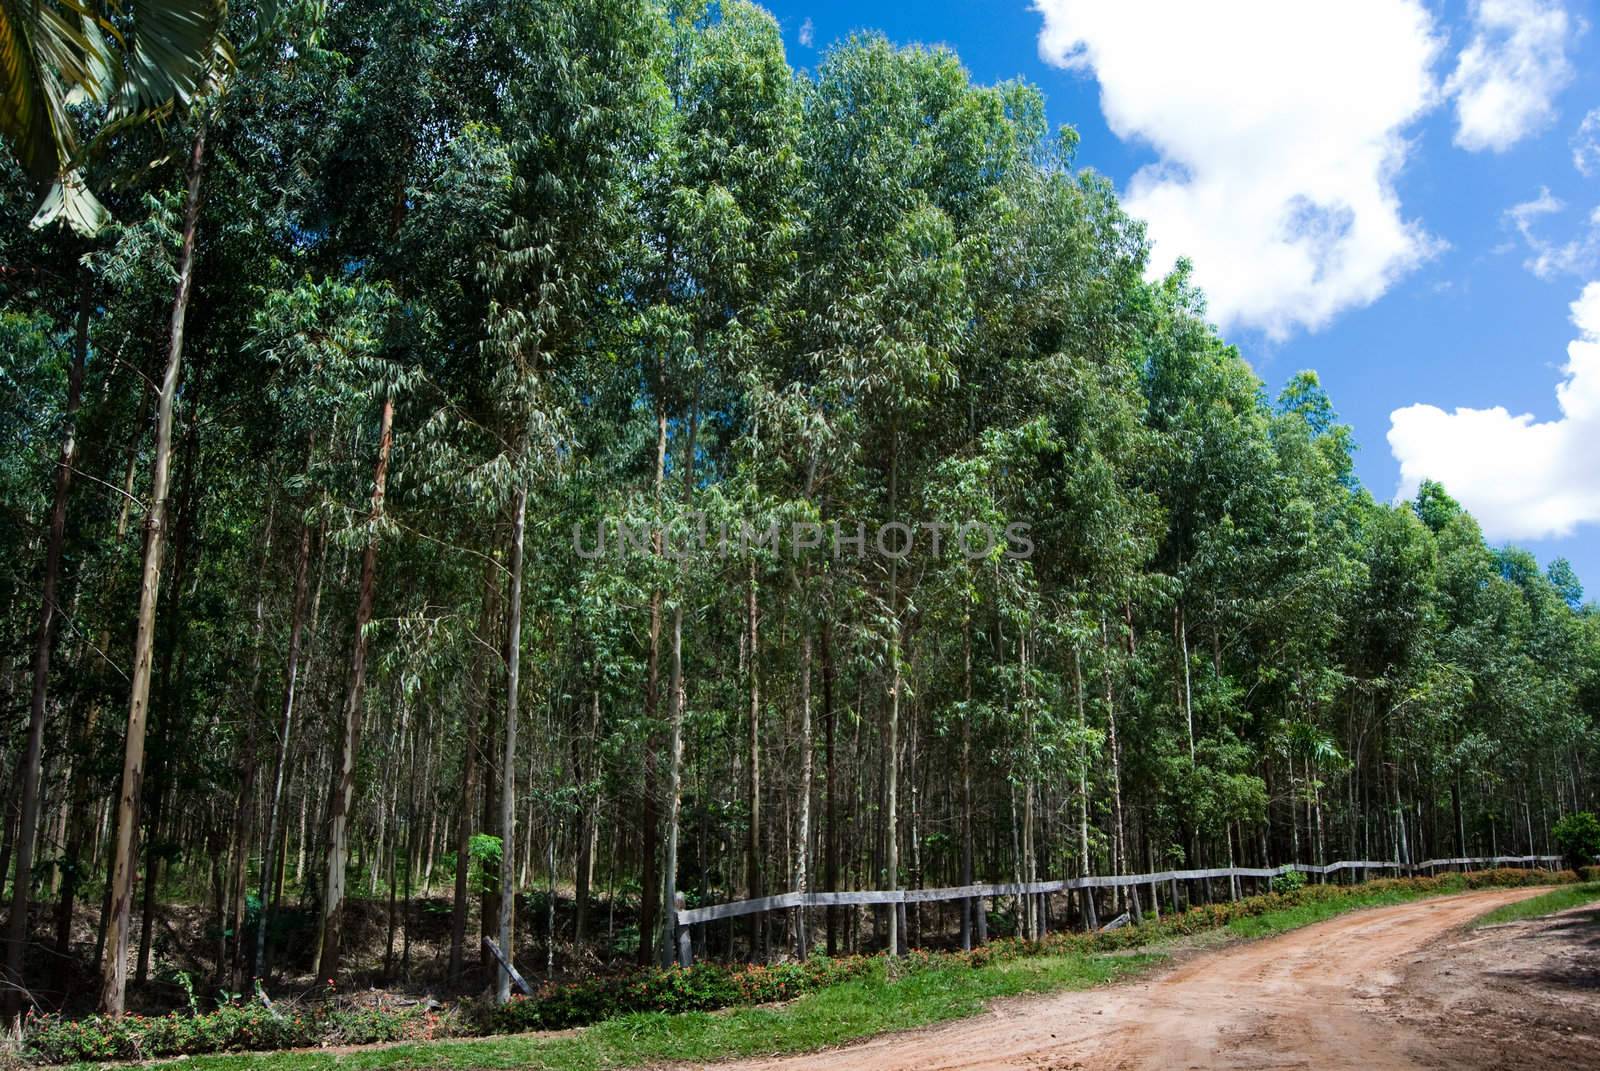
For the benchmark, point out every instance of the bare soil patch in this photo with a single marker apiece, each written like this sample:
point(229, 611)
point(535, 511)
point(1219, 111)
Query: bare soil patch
point(1389, 988)
point(1520, 995)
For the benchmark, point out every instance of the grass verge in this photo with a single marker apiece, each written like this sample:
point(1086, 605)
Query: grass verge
point(922, 989)
point(873, 1004)
point(1558, 899)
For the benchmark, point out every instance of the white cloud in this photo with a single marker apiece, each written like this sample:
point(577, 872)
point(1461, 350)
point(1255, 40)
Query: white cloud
point(1525, 213)
point(1547, 259)
point(1280, 131)
point(1523, 479)
point(1511, 70)
point(808, 33)
point(1586, 144)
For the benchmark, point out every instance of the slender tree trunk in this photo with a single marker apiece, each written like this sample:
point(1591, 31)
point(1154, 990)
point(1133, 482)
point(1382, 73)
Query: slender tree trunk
point(588, 827)
point(342, 794)
point(829, 721)
point(968, 907)
point(550, 900)
point(1118, 841)
point(82, 824)
point(650, 821)
point(508, 756)
point(32, 758)
point(244, 809)
point(1030, 871)
point(669, 902)
point(114, 976)
point(469, 782)
point(269, 847)
point(1083, 767)
point(1188, 695)
point(802, 867)
point(400, 740)
point(489, 816)
point(161, 789)
point(753, 844)
point(669, 947)
point(892, 730)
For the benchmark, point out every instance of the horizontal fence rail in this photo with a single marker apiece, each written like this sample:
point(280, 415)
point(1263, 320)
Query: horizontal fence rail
point(859, 898)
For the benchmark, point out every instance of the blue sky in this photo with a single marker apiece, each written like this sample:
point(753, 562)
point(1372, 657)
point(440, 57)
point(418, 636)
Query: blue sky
point(1391, 192)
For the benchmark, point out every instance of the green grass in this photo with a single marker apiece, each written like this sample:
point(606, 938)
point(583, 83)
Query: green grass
point(872, 1005)
point(1549, 903)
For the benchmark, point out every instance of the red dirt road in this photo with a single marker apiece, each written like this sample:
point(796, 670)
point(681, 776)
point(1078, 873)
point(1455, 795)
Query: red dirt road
point(1330, 996)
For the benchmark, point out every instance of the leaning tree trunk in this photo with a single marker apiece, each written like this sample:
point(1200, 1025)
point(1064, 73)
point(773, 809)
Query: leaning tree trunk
point(79, 826)
point(508, 795)
point(32, 759)
point(114, 973)
point(344, 770)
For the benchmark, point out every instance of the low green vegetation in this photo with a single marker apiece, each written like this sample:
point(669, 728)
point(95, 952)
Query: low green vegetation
point(1548, 904)
point(930, 991)
point(1578, 837)
point(711, 1011)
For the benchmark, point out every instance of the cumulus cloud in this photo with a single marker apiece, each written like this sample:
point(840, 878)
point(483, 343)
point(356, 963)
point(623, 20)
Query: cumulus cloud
point(808, 33)
point(1547, 258)
point(1507, 77)
point(1586, 145)
point(1280, 130)
point(1522, 478)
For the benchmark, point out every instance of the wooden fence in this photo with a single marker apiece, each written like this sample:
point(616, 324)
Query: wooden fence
point(688, 917)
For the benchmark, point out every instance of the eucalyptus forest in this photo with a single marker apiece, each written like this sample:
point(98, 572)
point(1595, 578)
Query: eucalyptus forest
point(360, 439)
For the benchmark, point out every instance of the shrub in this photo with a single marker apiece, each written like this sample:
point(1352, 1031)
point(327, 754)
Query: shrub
point(702, 987)
point(1289, 881)
point(234, 1026)
point(1578, 837)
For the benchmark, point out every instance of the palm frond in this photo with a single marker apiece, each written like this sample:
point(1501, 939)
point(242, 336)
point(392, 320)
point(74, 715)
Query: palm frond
point(41, 62)
point(145, 60)
point(173, 53)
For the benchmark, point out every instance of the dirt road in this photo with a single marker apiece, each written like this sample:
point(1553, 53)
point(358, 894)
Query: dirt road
point(1331, 996)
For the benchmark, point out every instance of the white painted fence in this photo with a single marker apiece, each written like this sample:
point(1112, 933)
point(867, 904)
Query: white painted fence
point(687, 917)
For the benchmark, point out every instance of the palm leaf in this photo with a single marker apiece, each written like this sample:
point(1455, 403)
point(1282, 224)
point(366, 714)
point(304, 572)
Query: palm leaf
point(51, 55)
point(42, 60)
point(70, 200)
point(148, 58)
point(173, 51)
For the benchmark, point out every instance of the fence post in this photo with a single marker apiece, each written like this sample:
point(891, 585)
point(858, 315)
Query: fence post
point(685, 945)
point(982, 911)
